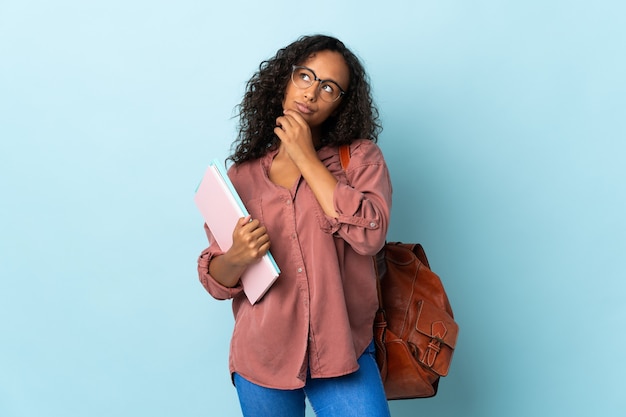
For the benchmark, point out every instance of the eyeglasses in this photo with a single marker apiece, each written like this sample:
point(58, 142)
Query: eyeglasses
point(303, 77)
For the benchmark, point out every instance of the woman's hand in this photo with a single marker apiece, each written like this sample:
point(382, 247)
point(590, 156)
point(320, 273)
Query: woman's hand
point(250, 244)
point(296, 138)
point(295, 135)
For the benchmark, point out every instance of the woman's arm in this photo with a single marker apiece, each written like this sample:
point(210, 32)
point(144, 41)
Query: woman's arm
point(297, 141)
point(358, 211)
point(250, 244)
point(364, 201)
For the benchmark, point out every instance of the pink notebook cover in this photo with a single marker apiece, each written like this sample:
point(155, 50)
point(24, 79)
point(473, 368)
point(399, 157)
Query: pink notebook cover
point(221, 209)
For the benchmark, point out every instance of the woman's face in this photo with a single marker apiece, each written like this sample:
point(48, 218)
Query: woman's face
point(327, 66)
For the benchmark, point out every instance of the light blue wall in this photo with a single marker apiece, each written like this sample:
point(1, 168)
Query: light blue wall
point(504, 131)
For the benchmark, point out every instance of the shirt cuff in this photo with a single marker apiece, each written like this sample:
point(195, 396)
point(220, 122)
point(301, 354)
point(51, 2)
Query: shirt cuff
point(216, 289)
point(348, 204)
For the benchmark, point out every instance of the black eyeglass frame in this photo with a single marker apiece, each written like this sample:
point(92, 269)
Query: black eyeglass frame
point(295, 67)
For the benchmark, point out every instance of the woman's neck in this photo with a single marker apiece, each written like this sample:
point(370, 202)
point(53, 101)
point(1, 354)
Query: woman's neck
point(316, 135)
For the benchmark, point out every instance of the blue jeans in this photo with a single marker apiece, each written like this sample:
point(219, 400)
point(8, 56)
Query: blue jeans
point(360, 394)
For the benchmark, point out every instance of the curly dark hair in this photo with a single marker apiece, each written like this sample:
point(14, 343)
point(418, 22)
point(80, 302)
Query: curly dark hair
point(356, 117)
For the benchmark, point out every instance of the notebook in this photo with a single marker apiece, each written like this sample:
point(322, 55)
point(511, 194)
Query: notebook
point(221, 207)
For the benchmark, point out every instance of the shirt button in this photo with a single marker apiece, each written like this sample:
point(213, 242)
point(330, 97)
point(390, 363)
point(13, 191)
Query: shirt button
point(299, 270)
point(288, 202)
point(293, 235)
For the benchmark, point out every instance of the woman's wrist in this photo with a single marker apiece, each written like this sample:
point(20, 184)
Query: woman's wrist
point(224, 271)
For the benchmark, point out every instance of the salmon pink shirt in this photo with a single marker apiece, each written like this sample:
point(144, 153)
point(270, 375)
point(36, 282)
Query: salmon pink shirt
point(318, 315)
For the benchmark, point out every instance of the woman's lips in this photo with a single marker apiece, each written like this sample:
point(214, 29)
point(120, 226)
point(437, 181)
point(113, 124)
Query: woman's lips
point(302, 108)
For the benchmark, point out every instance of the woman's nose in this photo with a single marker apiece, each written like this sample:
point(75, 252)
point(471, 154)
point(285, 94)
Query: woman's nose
point(312, 92)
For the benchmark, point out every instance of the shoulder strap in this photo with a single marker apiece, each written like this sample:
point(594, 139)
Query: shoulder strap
point(344, 156)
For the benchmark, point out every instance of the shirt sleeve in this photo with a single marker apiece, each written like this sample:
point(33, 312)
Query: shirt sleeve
point(364, 202)
point(217, 290)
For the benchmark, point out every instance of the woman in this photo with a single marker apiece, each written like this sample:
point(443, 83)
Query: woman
point(311, 334)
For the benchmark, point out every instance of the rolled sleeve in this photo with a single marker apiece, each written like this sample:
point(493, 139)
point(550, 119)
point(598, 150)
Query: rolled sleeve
point(217, 290)
point(351, 205)
point(364, 202)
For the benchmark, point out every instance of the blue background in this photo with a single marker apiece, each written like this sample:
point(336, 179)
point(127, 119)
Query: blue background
point(505, 134)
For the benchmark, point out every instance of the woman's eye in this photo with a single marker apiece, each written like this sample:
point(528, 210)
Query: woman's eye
point(328, 88)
